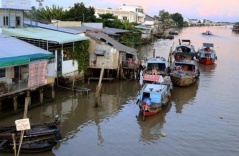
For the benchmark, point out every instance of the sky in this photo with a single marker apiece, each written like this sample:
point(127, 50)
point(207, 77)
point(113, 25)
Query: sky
point(215, 10)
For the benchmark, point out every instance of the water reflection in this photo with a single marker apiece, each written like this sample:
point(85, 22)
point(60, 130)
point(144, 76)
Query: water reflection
point(151, 126)
point(207, 70)
point(184, 95)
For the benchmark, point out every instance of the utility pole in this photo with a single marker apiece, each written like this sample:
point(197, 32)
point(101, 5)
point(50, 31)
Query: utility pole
point(39, 7)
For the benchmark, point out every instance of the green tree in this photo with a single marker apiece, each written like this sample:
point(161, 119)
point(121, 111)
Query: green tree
point(164, 20)
point(80, 13)
point(178, 18)
point(47, 13)
point(109, 20)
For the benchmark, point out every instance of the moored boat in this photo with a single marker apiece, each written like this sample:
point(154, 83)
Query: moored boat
point(34, 146)
point(186, 48)
point(157, 71)
point(39, 138)
point(153, 98)
point(207, 54)
point(184, 70)
point(173, 32)
point(207, 32)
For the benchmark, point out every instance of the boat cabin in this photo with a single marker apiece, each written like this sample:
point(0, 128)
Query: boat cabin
point(156, 66)
point(185, 47)
point(153, 93)
point(185, 67)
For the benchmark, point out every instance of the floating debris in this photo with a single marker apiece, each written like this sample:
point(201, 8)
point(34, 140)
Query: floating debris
point(163, 134)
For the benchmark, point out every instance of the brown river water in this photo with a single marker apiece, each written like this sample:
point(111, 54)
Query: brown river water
point(202, 120)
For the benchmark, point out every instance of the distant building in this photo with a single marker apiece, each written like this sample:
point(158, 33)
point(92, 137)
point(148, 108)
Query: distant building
point(12, 12)
point(126, 12)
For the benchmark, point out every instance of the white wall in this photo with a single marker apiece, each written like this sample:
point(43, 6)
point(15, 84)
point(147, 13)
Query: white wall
point(16, 4)
point(68, 68)
point(51, 71)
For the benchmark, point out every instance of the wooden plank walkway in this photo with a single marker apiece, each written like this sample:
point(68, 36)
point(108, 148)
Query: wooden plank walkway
point(97, 78)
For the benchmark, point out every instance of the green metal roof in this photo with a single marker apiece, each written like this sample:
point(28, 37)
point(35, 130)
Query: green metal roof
point(25, 59)
point(43, 34)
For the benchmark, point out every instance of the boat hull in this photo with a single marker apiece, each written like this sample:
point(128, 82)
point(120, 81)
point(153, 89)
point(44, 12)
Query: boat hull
point(183, 81)
point(40, 138)
point(206, 61)
point(29, 146)
point(148, 111)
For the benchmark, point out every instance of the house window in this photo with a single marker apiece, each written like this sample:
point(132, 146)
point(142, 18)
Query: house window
point(124, 18)
point(18, 21)
point(2, 72)
point(5, 20)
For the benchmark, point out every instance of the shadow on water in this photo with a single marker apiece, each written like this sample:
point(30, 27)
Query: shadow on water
point(184, 95)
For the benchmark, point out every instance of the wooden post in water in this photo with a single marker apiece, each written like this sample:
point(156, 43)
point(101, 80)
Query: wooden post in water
point(28, 94)
point(24, 116)
point(98, 88)
point(14, 144)
point(170, 55)
point(153, 53)
point(73, 82)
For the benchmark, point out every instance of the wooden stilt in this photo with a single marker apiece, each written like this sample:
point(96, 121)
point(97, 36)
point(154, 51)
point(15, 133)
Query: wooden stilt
point(108, 73)
point(0, 104)
point(15, 103)
point(52, 91)
point(41, 96)
point(118, 71)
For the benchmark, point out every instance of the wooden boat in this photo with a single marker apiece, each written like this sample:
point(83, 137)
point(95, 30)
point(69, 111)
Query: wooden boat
point(207, 54)
point(36, 131)
point(153, 98)
point(40, 137)
point(207, 32)
point(184, 70)
point(173, 32)
point(157, 71)
point(185, 47)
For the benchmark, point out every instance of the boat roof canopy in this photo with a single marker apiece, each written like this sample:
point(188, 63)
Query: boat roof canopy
point(208, 44)
point(186, 41)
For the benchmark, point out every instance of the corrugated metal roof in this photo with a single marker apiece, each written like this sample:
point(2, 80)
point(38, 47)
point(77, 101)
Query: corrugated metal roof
point(43, 34)
point(120, 47)
point(52, 27)
point(16, 52)
point(84, 28)
point(108, 30)
point(142, 27)
point(12, 47)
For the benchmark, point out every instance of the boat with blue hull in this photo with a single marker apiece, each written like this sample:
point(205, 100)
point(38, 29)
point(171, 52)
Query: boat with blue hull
point(153, 98)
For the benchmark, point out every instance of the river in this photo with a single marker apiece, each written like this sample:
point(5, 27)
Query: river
point(201, 120)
